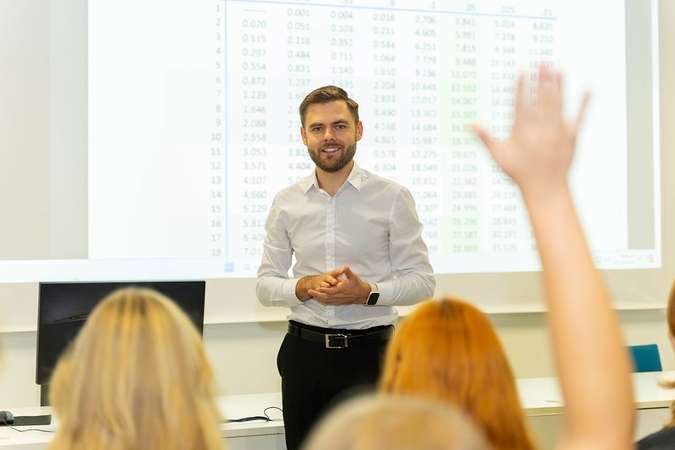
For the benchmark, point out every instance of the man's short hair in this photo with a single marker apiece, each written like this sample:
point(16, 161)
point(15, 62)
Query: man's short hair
point(327, 94)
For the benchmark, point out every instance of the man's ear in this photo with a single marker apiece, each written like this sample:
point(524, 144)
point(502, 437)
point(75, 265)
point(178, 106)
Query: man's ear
point(359, 131)
point(304, 135)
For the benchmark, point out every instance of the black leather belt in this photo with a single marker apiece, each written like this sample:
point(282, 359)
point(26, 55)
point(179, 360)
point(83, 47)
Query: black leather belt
point(344, 339)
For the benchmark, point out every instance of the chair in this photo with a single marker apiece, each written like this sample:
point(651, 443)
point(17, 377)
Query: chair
point(645, 358)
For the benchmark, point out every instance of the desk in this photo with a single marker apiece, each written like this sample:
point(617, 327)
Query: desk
point(543, 396)
point(541, 399)
point(543, 403)
point(253, 435)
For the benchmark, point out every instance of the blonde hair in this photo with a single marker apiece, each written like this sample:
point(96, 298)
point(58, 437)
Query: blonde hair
point(136, 377)
point(448, 349)
point(386, 422)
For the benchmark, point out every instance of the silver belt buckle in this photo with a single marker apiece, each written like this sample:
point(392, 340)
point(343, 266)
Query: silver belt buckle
point(343, 336)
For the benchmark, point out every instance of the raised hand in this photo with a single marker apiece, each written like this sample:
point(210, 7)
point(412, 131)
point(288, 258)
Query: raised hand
point(589, 351)
point(538, 154)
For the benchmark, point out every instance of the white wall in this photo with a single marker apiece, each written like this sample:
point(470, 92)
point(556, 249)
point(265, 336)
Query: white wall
point(244, 355)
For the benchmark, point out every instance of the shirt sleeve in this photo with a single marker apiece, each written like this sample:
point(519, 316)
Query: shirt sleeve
point(413, 277)
point(273, 286)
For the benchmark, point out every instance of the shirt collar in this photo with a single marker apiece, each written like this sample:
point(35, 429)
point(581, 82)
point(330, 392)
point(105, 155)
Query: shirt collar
point(355, 178)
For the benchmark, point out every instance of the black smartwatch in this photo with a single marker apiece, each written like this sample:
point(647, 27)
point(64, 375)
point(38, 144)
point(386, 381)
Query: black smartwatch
point(374, 294)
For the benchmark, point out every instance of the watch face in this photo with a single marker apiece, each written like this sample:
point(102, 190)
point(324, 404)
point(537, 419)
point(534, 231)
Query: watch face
point(372, 298)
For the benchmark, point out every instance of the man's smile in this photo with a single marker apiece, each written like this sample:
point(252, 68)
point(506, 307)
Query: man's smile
point(330, 149)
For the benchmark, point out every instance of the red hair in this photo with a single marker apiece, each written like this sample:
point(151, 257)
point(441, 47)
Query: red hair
point(671, 330)
point(671, 311)
point(448, 349)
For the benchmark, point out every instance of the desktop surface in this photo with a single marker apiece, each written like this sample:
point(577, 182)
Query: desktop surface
point(540, 397)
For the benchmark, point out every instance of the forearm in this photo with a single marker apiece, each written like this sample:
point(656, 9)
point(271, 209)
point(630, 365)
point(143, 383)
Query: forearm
point(407, 289)
point(595, 372)
point(592, 361)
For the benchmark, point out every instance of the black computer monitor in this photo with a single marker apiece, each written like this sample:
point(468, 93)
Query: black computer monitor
point(64, 307)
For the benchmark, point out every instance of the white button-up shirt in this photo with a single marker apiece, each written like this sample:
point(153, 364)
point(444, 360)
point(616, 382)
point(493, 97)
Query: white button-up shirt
point(370, 224)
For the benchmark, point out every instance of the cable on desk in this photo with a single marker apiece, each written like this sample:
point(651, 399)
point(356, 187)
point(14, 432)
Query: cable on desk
point(31, 429)
point(11, 426)
point(249, 419)
point(272, 407)
point(265, 417)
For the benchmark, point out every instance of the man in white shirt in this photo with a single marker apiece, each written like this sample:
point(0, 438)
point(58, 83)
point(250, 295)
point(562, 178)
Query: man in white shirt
point(359, 251)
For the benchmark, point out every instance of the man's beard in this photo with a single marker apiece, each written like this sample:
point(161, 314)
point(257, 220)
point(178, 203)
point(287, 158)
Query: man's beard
point(333, 164)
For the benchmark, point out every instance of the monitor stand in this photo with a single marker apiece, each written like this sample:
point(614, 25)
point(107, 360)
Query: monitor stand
point(44, 394)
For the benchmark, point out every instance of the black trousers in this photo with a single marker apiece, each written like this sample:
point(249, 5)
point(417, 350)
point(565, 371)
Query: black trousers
point(315, 378)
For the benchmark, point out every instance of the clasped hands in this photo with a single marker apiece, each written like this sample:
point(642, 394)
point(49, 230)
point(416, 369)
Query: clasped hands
point(337, 287)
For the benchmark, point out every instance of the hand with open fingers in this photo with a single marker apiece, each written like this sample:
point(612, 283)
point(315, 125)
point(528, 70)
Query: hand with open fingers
point(538, 154)
point(348, 290)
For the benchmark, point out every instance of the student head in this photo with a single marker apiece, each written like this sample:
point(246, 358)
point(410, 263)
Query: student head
point(136, 376)
point(671, 336)
point(671, 316)
point(384, 422)
point(449, 350)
